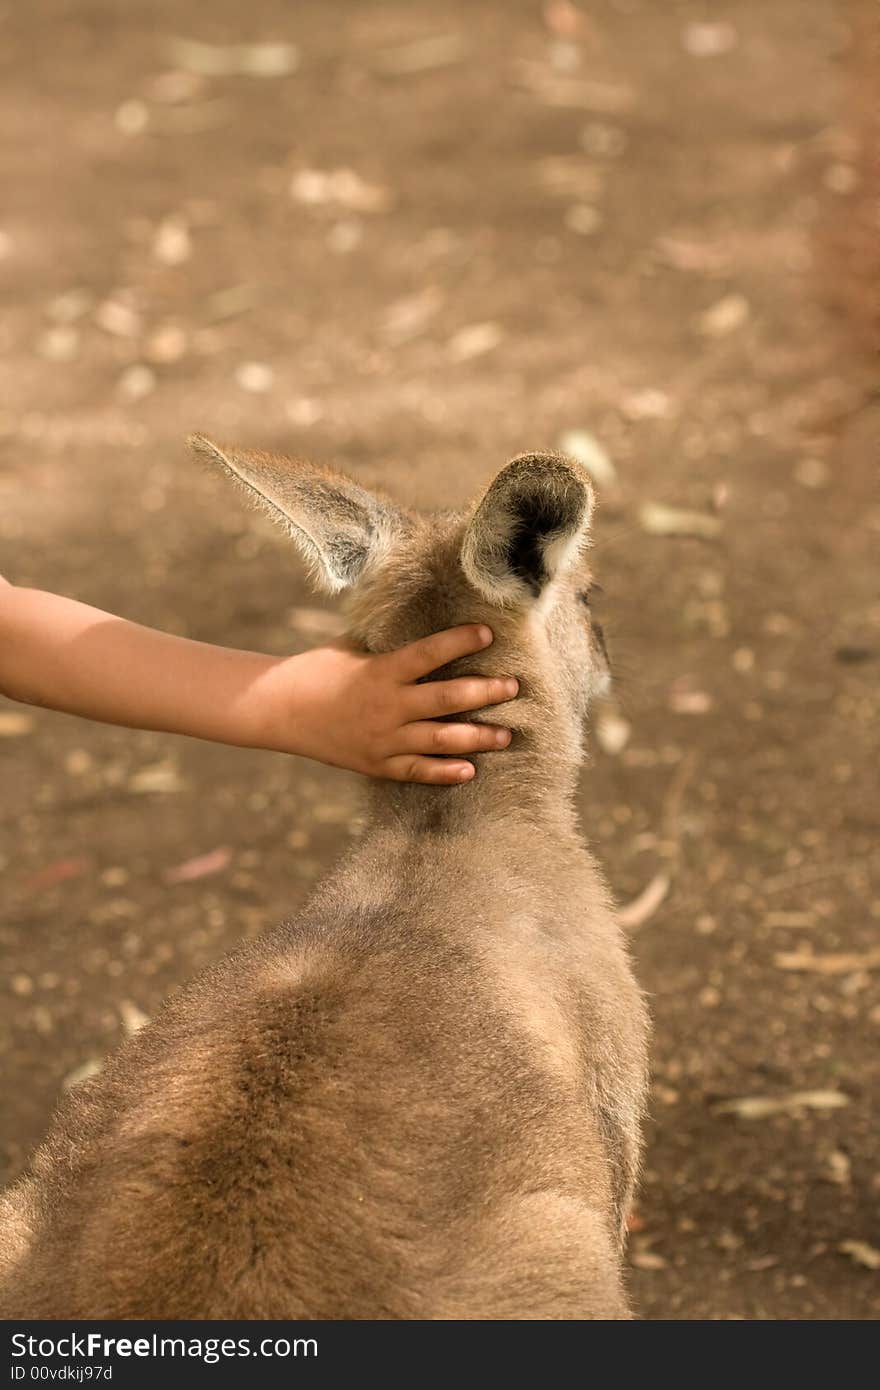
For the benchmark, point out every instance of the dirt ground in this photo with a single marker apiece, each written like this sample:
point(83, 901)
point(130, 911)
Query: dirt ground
point(625, 221)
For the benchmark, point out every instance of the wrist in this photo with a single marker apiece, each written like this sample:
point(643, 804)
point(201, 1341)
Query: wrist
point(267, 712)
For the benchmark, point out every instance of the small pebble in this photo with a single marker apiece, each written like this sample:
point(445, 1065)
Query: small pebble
point(256, 377)
point(344, 237)
point(565, 56)
point(474, 340)
point(724, 317)
point(166, 344)
point(172, 244)
point(583, 219)
point(43, 1021)
point(603, 141)
point(647, 404)
point(176, 86)
point(59, 344)
point(839, 1168)
point(612, 732)
point(841, 179)
point(69, 306)
point(132, 117)
point(136, 382)
point(77, 762)
point(118, 318)
point(304, 412)
point(708, 38)
point(811, 473)
point(116, 876)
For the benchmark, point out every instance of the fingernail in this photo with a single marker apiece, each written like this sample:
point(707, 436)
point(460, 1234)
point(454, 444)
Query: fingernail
point(485, 635)
point(466, 773)
point(511, 686)
point(502, 737)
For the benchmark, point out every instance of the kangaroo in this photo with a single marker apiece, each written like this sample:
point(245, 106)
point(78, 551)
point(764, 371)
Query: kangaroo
point(422, 1097)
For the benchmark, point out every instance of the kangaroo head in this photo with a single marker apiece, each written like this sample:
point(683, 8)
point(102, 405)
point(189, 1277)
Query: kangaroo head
point(516, 560)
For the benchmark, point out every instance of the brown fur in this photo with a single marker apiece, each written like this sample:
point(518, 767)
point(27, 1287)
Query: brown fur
point(422, 1097)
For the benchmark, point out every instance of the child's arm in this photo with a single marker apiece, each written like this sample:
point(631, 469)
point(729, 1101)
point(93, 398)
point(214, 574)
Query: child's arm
point(335, 704)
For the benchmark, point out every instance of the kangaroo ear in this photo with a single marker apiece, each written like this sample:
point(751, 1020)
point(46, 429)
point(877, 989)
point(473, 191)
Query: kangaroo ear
point(528, 529)
point(340, 528)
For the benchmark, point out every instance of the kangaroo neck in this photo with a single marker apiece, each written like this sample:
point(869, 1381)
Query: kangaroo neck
point(513, 786)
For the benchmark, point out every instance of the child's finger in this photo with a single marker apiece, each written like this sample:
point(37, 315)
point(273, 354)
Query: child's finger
point(427, 736)
point(459, 696)
point(408, 767)
point(430, 653)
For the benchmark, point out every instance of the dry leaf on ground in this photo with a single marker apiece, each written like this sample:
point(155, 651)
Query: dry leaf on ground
point(59, 872)
point(691, 256)
point(14, 725)
point(133, 1018)
point(647, 1259)
point(156, 777)
point(861, 1253)
point(83, 1072)
point(577, 93)
point(570, 176)
point(316, 622)
point(659, 520)
point(474, 340)
point(685, 699)
point(407, 317)
point(589, 453)
point(202, 866)
point(340, 188)
point(422, 55)
point(841, 963)
point(234, 59)
point(762, 1107)
point(634, 913)
point(790, 919)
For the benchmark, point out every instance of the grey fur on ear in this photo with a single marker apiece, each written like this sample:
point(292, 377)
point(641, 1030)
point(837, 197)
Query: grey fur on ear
point(528, 529)
point(340, 527)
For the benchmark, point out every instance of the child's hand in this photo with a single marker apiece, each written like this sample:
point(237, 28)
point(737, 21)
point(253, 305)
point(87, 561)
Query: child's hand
point(367, 712)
